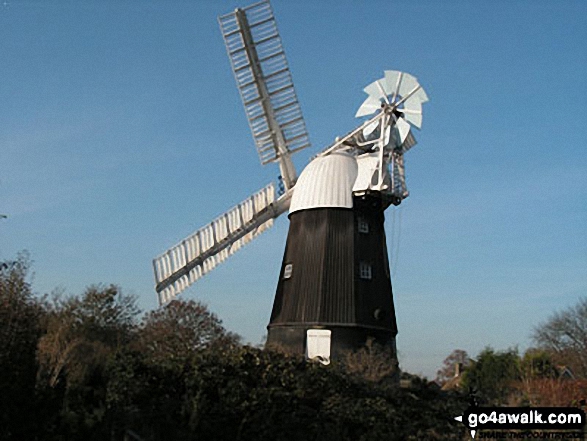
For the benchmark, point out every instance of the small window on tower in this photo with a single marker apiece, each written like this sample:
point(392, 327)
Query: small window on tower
point(365, 271)
point(287, 271)
point(363, 226)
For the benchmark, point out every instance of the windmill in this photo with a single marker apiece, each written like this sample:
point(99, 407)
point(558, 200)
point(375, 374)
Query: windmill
point(334, 290)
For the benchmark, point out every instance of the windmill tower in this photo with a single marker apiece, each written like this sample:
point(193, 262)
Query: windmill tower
point(334, 290)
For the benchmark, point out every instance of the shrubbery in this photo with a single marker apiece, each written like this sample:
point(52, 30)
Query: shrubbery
point(89, 368)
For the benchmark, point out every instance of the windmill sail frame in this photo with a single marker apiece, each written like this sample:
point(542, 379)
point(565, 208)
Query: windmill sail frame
point(203, 250)
point(265, 84)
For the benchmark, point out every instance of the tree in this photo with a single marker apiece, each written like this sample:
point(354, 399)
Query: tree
point(564, 334)
point(552, 392)
point(538, 363)
point(493, 375)
point(373, 362)
point(83, 334)
point(176, 332)
point(82, 331)
point(448, 370)
point(20, 315)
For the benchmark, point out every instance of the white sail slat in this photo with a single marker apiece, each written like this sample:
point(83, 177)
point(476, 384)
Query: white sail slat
point(202, 251)
point(264, 81)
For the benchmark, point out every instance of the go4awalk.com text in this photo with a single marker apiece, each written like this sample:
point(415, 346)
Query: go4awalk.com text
point(537, 423)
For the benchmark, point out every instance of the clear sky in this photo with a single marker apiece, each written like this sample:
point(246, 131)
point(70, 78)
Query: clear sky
point(122, 131)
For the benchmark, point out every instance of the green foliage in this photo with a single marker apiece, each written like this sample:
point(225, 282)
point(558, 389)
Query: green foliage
point(492, 375)
point(538, 363)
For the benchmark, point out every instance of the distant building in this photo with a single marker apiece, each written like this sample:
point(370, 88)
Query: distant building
point(454, 382)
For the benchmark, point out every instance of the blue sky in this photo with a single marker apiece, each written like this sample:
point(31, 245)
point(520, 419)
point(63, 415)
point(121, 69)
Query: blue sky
point(122, 131)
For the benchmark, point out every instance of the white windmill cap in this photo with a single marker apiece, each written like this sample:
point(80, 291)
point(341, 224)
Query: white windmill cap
point(327, 181)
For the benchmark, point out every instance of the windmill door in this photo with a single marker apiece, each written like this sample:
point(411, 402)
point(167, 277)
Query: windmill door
point(318, 345)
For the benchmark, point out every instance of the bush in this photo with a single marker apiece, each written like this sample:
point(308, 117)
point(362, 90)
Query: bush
point(249, 394)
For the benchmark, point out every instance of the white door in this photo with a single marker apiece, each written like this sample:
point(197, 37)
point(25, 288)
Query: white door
point(318, 345)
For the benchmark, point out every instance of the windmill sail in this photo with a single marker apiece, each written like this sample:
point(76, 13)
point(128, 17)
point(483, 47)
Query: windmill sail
point(265, 84)
point(199, 253)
